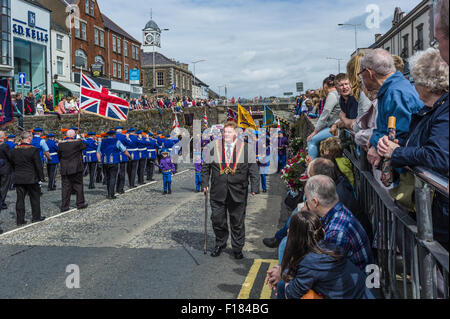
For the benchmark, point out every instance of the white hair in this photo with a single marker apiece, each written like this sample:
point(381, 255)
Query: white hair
point(380, 61)
point(430, 70)
point(323, 188)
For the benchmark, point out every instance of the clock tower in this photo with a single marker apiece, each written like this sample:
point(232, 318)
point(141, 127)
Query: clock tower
point(152, 36)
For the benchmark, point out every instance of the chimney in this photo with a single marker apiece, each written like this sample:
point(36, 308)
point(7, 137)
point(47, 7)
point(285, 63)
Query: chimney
point(377, 37)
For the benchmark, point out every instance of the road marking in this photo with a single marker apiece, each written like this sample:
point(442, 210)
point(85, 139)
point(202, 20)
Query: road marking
point(75, 209)
point(250, 280)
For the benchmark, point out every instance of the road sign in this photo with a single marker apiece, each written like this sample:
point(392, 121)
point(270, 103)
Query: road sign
point(288, 94)
point(22, 78)
point(300, 87)
point(134, 76)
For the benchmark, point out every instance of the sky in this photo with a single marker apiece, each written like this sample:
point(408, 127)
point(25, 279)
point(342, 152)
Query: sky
point(259, 47)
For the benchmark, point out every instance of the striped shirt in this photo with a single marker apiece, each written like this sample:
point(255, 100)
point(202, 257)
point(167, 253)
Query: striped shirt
point(345, 231)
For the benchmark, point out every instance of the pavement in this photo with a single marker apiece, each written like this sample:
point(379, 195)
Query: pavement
point(141, 245)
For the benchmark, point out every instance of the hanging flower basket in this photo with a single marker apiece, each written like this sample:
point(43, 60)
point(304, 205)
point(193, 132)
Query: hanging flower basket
point(295, 167)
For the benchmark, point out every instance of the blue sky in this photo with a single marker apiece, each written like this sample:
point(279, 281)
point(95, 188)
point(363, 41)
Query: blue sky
point(257, 47)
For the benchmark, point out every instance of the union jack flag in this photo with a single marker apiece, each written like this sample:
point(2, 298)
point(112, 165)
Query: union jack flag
point(232, 115)
point(96, 99)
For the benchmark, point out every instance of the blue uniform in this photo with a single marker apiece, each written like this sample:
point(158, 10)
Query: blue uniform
point(134, 147)
point(152, 148)
point(125, 142)
point(143, 144)
point(90, 153)
point(41, 145)
point(111, 149)
point(11, 145)
point(53, 150)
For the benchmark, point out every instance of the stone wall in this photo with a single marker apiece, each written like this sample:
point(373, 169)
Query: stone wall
point(141, 120)
point(303, 128)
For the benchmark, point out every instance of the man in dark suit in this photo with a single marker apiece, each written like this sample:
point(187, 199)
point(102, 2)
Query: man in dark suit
point(5, 170)
point(229, 164)
point(70, 153)
point(27, 168)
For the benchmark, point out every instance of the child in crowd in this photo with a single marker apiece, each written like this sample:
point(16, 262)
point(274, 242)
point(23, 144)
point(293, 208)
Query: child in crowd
point(312, 265)
point(332, 149)
point(198, 172)
point(167, 169)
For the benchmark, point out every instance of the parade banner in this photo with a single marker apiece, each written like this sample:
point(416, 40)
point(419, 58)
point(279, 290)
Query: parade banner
point(269, 117)
point(245, 119)
point(6, 109)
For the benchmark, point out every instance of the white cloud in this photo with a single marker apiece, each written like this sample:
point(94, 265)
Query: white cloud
point(256, 47)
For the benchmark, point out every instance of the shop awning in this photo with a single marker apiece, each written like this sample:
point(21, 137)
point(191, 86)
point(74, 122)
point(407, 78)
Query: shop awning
point(72, 87)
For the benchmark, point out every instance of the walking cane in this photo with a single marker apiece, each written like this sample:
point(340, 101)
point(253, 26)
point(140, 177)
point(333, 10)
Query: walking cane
point(206, 222)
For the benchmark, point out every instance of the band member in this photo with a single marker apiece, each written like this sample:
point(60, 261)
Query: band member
point(143, 155)
point(42, 146)
point(283, 144)
point(134, 161)
point(28, 172)
point(152, 149)
point(70, 153)
point(52, 164)
point(109, 153)
point(90, 156)
point(124, 161)
point(229, 163)
point(11, 142)
point(168, 169)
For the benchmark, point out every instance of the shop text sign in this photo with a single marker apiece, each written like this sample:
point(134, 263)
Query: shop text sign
point(30, 30)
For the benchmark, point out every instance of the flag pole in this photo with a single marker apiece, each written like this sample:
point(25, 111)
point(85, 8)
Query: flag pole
point(79, 108)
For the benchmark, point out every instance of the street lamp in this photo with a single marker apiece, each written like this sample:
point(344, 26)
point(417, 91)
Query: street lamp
point(339, 63)
point(356, 32)
point(194, 63)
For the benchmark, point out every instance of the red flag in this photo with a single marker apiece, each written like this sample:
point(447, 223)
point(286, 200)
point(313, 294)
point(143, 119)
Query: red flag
point(176, 124)
point(232, 115)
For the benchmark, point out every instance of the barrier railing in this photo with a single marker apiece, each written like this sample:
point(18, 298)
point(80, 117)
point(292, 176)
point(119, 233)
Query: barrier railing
point(412, 264)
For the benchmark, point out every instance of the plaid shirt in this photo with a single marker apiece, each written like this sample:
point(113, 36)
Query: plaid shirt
point(345, 231)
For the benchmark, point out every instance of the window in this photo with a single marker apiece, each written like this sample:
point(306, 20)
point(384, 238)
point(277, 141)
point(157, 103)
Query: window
point(96, 36)
point(59, 65)
point(92, 7)
point(132, 50)
point(83, 31)
point(119, 44)
point(98, 60)
point(177, 80)
point(114, 68)
point(31, 59)
point(80, 59)
point(114, 43)
point(126, 71)
point(119, 70)
point(77, 32)
point(86, 6)
point(419, 43)
point(184, 82)
point(102, 39)
point(59, 42)
point(125, 48)
point(5, 33)
point(405, 50)
point(160, 78)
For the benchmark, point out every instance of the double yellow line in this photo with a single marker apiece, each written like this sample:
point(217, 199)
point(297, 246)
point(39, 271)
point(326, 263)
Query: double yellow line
point(266, 292)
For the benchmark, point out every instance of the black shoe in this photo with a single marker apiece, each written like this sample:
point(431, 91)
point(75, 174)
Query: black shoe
point(111, 197)
point(121, 192)
point(238, 255)
point(65, 210)
point(22, 224)
point(164, 193)
point(271, 242)
point(39, 220)
point(265, 191)
point(4, 206)
point(83, 207)
point(217, 251)
point(91, 187)
point(170, 191)
point(1, 231)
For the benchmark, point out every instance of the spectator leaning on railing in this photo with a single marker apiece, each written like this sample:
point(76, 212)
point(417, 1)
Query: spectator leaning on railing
point(428, 141)
point(396, 96)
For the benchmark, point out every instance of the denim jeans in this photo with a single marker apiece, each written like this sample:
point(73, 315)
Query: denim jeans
point(314, 145)
point(281, 162)
point(283, 231)
point(198, 181)
point(264, 182)
point(167, 180)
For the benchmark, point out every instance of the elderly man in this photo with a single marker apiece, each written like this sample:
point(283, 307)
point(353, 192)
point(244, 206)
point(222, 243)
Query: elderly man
point(28, 172)
point(70, 153)
point(341, 227)
point(396, 97)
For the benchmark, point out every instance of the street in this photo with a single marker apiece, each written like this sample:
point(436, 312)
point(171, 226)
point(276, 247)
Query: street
point(141, 245)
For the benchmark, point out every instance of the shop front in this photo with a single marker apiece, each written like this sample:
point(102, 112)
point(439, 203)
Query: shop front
point(31, 47)
point(122, 90)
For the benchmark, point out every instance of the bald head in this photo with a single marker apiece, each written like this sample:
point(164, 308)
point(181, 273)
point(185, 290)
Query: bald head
point(71, 134)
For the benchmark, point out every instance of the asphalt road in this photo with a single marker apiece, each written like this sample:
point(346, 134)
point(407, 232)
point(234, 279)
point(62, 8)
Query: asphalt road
point(141, 245)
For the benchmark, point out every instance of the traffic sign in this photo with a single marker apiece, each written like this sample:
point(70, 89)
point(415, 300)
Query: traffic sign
point(288, 94)
point(300, 87)
point(22, 78)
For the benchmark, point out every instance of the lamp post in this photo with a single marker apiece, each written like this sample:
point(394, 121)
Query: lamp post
point(339, 63)
point(356, 32)
point(195, 78)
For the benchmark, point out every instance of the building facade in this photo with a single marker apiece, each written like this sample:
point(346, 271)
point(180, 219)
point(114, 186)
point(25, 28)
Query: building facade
point(410, 32)
point(31, 47)
point(6, 59)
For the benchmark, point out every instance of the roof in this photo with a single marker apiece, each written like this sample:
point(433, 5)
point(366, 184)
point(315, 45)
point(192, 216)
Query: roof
point(147, 59)
point(37, 4)
point(58, 28)
point(152, 25)
point(111, 25)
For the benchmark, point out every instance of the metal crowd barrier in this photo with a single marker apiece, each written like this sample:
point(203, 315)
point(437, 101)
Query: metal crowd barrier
point(411, 263)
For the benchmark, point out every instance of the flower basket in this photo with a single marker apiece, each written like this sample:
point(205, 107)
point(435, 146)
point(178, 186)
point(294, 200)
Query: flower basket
point(295, 167)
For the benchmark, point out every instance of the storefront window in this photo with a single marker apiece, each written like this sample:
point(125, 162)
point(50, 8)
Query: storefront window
point(30, 58)
point(80, 59)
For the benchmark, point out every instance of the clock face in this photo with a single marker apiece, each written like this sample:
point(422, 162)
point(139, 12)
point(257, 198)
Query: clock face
point(149, 38)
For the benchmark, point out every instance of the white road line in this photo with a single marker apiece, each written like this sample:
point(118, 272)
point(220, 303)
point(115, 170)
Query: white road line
point(75, 209)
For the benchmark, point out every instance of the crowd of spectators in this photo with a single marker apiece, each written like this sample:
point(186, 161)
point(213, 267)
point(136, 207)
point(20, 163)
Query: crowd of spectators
point(361, 102)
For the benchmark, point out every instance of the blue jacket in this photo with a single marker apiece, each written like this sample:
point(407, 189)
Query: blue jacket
point(53, 149)
point(397, 97)
point(428, 145)
point(143, 144)
point(333, 279)
point(167, 165)
point(90, 152)
point(152, 148)
point(127, 143)
point(110, 153)
point(11, 145)
point(134, 148)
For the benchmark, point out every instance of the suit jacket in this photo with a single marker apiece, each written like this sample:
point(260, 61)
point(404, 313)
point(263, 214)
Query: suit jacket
point(234, 184)
point(27, 165)
point(70, 153)
point(5, 155)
